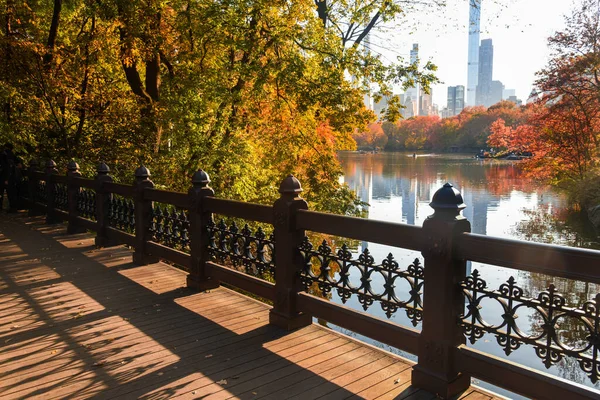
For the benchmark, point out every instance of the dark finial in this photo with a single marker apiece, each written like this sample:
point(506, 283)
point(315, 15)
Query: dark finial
point(200, 178)
point(72, 166)
point(102, 169)
point(448, 200)
point(50, 167)
point(142, 173)
point(290, 185)
point(34, 165)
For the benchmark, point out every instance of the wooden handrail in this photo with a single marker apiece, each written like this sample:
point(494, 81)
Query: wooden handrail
point(445, 364)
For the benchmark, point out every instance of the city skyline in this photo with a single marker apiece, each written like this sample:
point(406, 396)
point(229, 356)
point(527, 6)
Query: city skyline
point(520, 41)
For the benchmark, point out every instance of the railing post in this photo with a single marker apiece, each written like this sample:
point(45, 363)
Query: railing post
point(102, 204)
point(32, 187)
point(287, 258)
point(51, 217)
point(143, 211)
point(442, 299)
point(199, 218)
point(72, 197)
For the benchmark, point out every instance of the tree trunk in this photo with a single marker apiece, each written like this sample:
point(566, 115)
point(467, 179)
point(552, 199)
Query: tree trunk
point(53, 32)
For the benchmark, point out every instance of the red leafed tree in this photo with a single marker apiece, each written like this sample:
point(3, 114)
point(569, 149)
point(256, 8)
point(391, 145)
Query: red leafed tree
point(373, 136)
point(563, 129)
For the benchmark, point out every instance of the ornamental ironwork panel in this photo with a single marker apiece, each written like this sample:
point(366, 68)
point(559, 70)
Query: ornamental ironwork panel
point(40, 194)
point(121, 213)
point(170, 227)
point(325, 270)
point(557, 329)
point(86, 203)
point(61, 196)
point(251, 252)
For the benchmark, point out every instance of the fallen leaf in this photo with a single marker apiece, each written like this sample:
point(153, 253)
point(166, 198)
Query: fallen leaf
point(99, 363)
point(208, 356)
point(222, 382)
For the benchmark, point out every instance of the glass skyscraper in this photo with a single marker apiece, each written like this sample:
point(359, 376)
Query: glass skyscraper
point(473, 59)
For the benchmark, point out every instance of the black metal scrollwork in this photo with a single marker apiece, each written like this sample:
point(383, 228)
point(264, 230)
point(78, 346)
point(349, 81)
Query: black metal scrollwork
point(61, 199)
point(250, 252)
point(548, 335)
point(341, 261)
point(121, 213)
point(86, 203)
point(40, 194)
point(170, 227)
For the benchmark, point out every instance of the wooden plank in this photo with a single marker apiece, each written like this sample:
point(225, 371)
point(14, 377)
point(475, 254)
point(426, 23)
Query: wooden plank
point(118, 188)
point(518, 378)
point(131, 342)
point(383, 331)
point(238, 209)
point(242, 281)
point(118, 236)
point(391, 234)
point(166, 253)
point(567, 262)
point(177, 199)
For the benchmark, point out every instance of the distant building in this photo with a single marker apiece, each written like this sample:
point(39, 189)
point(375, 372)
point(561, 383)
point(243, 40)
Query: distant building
point(411, 106)
point(497, 92)
point(483, 95)
point(380, 106)
point(514, 99)
point(456, 100)
point(473, 54)
point(533, 96)
point(506, 93)
point(426, 103)
point(414, 92)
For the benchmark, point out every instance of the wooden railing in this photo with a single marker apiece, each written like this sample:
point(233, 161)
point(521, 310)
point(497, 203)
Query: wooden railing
point(296, 276)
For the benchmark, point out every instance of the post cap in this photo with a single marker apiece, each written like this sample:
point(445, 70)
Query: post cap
point(102, 168)
point(447, 198)
point(72, 166)
point(290, 185)
point(34, 164)
point(50, 164)
point(142, 172)
point(200, 178)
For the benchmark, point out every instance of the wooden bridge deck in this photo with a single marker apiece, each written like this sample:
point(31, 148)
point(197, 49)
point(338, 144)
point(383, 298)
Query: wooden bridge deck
point(81, 322)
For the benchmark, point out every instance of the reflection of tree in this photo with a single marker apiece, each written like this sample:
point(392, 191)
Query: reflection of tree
point(334, 268)
point(495, 176)
point(558, 227)
point(570, 331)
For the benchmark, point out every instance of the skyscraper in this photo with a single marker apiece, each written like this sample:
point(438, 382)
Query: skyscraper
point(486, 69)
point(473, 58)
point(414, 92)
point(497, 91)
point(456, 100)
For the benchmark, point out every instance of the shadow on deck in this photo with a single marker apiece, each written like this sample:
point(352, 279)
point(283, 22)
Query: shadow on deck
point(81, 322)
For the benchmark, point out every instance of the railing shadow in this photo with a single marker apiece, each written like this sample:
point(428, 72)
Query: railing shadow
point(82, 329)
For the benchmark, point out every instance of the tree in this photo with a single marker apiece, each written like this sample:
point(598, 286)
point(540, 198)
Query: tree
point(248, 91)
point(563, 129)
point(372, 137)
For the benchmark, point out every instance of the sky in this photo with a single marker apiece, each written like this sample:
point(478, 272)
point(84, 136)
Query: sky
point(519, 30)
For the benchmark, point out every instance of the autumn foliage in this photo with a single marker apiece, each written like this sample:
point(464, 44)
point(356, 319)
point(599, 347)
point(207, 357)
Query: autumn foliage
point(562, 130)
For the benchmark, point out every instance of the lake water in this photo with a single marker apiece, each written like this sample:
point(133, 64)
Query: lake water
point(500, 202)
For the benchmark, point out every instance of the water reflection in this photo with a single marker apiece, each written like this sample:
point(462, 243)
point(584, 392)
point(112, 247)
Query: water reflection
point(500, 202)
